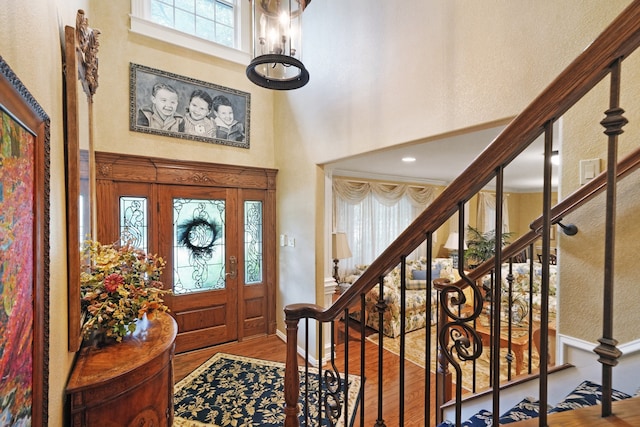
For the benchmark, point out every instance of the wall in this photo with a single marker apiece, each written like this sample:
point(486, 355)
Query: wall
point(30, 43)
point(387, 75)
point(119, 47)
point(582, 256)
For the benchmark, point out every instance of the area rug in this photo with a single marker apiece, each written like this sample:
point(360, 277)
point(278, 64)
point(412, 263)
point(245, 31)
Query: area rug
point(230, 390)
point(415, 352)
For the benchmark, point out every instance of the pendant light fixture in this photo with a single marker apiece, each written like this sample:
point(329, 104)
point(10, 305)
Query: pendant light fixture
point(277, 36)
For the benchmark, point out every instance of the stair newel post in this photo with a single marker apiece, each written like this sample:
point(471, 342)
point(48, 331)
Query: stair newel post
point(291, 374)
point(444, 377)
point(607, 350)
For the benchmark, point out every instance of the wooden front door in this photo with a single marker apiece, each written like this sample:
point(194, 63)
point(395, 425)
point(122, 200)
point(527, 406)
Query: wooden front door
point(215, 227)
point(199, 233)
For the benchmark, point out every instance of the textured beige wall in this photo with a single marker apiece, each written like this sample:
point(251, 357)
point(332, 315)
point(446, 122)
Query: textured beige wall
point(582, 256)
point(388, 75)
point(30, 42)
point(119, 47)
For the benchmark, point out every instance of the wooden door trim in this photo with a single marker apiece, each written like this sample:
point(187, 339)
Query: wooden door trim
point(113, 169)
point(124, 167)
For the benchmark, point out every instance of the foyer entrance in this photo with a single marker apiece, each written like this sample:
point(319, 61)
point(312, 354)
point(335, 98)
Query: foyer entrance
point(213, 225)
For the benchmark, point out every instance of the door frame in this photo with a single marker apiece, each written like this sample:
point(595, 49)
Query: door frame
point(114, 168)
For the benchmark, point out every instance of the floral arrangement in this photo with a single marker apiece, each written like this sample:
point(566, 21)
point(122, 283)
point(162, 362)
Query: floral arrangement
point(119, 285)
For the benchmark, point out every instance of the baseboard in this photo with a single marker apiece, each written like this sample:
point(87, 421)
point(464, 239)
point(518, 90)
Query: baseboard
point(313, 361)
point(566, 342)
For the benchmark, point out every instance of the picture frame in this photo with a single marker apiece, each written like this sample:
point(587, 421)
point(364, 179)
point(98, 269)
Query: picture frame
point(159, 104)
point(80, 84)
point(24, 237)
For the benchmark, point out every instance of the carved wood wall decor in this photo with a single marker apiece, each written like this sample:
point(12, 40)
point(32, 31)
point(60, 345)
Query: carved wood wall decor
point(81, 75)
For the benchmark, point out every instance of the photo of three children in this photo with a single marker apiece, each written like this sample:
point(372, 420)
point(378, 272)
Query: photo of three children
point(172, 106)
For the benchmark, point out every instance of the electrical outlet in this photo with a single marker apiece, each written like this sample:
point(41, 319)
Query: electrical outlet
point(292, 242)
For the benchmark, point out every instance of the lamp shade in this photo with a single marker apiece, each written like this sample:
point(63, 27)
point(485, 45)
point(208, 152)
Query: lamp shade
point(340, 246)
point(277, 36)
point(452, 242)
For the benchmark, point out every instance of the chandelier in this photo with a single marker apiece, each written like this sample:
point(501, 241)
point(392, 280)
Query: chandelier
point(277, 36)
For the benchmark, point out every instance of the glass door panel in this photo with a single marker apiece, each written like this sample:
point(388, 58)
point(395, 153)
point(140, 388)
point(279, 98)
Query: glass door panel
point(253, 243)
point(198, 236)
point(199, 245)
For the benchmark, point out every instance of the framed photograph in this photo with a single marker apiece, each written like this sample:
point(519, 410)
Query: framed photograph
point(24, 258)
point(167, 104)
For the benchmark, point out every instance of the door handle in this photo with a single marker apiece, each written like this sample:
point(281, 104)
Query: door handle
point(233, 267)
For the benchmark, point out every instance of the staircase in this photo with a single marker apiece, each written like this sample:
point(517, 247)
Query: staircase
point(585, 395)
point(457, 337)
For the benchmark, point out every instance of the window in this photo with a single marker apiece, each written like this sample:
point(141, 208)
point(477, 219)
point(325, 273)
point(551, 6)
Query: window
point(209, 19)
point(374, 214)
point(216, 27)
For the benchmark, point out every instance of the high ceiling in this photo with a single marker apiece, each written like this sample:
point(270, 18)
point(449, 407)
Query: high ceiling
point(441, 161)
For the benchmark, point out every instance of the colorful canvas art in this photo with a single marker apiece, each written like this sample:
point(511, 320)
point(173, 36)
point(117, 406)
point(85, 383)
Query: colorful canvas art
point(16, 271)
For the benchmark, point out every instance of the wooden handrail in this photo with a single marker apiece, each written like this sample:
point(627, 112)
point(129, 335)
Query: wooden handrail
point(619, 40)
point(576, 199)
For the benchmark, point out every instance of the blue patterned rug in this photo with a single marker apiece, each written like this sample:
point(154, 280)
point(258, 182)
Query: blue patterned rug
point(229, 390)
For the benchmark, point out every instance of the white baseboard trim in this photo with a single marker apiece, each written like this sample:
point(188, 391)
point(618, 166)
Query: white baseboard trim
point(565, 342)
point(312, 360)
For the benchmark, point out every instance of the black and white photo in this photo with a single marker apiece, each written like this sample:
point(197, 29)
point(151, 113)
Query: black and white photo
point(167, 104)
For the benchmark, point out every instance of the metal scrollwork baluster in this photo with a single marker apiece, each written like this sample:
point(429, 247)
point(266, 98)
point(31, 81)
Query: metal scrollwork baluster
point(331, 399)
point(457, 339)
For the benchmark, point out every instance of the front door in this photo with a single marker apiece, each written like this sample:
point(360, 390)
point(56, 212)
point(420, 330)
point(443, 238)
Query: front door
point(215, 227)
point(198, 232)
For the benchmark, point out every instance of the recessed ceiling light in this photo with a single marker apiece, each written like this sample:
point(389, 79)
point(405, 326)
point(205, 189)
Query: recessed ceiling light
point(408, 159)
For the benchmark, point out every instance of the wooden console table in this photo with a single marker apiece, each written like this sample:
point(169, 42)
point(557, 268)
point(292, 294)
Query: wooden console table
point(128, 383)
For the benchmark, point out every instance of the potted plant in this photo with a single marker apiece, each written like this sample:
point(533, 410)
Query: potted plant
point(120, 285)
point(481, 246)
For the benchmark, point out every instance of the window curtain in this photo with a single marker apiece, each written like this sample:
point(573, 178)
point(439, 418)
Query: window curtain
point(487, 212)
point(373, 214)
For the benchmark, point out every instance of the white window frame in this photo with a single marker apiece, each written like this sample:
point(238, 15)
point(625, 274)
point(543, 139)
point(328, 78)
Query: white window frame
point(241, 54)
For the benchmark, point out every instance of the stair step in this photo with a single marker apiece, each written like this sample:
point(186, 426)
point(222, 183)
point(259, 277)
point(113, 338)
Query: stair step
point(587, 395)
point(626, 413)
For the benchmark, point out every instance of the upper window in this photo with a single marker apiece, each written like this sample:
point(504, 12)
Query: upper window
point(210, 19)
point(216, 27)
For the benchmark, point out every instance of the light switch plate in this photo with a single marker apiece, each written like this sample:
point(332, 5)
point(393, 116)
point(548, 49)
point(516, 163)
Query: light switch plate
point(589, 169)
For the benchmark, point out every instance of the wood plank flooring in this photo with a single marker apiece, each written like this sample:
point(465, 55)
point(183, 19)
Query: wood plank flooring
point(627, 412)
point(273, 348)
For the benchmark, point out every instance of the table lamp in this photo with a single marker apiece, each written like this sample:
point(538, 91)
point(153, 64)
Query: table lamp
point(339, 250)
point(452, 245)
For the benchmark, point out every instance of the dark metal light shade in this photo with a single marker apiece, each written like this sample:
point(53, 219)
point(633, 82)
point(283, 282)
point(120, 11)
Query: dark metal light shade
point(277, 36)
point(259, 69)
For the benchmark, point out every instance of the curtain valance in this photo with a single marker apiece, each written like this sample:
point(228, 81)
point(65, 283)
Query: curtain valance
point(354, 192)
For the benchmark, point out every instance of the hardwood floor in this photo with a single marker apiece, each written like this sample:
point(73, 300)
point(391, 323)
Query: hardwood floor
point(627, 412)
point(273, 348)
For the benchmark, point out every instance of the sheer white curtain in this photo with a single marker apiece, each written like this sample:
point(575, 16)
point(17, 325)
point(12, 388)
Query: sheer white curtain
point(487, 212)
point(373, 214)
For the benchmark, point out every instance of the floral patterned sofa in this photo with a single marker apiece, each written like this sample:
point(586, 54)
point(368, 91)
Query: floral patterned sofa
point(520, 288)
point(417, 316)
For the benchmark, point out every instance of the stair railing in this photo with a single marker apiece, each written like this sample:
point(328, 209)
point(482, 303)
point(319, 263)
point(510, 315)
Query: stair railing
point(603, 57)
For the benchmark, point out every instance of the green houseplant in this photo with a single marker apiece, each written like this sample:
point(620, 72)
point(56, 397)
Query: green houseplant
point(481, 246)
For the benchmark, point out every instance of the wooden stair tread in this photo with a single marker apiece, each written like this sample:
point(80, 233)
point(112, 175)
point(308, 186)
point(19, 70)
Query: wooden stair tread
point(625, 413)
